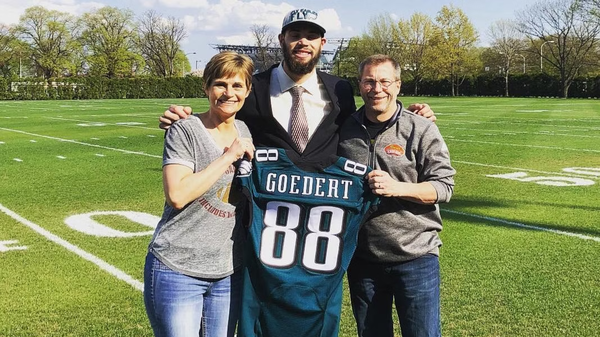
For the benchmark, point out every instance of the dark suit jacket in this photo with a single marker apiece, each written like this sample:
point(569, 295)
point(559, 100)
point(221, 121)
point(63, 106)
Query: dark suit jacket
point(266, 131)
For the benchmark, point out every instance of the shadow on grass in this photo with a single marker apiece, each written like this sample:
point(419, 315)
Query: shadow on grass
point(463, 202)
point(466, 206)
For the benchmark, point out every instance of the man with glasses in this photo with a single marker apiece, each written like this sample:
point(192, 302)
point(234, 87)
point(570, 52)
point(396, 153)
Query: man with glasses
point(398, 246)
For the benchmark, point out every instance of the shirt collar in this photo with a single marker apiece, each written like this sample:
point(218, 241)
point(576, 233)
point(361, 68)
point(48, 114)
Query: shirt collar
point(311, 85)
point(360, 114)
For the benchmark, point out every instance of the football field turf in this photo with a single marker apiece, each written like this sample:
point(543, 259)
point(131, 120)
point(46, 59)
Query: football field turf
point(81, 191)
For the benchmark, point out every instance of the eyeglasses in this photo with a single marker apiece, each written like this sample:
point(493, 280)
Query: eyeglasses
point(370, 84)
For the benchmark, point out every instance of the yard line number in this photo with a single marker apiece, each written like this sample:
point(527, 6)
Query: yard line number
point(552, 180)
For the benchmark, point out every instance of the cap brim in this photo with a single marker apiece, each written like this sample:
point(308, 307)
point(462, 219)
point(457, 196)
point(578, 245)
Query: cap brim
point(305, 23)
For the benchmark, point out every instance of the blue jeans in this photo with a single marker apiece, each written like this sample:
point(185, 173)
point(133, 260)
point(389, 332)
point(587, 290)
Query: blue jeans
point(415, 287)
point(183, 306)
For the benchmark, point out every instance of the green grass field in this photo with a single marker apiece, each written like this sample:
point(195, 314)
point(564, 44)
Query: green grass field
point(521, 234)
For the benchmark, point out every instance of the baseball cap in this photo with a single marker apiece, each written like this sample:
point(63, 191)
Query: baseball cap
point(302, 15)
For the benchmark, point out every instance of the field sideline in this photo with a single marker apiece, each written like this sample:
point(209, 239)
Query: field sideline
point(81, 192)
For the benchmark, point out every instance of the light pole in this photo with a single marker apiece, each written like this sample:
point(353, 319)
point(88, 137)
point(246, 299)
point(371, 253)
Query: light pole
point(542, 54)
point(182, 65)
point(20, 66)
point(197, 63)
point(523, 62)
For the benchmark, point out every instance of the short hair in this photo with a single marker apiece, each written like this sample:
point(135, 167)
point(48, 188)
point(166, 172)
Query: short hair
point(228, 64)
point(376, 60)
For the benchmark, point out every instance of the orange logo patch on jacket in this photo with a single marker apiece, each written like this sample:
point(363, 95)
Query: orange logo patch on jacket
point(394, 150)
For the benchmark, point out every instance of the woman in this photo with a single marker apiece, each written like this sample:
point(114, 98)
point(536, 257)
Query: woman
point(191, 278)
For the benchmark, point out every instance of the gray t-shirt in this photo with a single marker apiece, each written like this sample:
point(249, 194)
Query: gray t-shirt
point(202, 239)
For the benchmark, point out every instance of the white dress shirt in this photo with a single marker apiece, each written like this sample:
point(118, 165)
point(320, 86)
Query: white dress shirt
point(317, 103)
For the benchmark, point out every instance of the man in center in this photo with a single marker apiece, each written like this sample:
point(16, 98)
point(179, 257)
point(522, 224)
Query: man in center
point(327, 100)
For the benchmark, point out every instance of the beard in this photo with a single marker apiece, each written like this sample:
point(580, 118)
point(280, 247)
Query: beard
point(297, 67)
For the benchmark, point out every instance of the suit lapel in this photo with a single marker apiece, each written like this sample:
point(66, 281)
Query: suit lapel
point(263, 97)
point(329, 82)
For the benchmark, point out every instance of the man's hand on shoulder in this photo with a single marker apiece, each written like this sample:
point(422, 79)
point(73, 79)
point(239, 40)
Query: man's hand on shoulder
point(173, 114)
point(424, 110)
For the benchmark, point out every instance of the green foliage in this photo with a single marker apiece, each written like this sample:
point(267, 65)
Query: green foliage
point(8, 55)
point(101, 88)
point(109, 37)
point(455, 55)
point(181, 64)
point(444, 50)
point(48, 34)
point(415, 38)
point(521, 85)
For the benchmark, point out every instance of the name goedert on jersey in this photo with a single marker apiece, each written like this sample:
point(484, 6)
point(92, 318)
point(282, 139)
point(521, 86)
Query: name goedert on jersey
point(307, 185)
point(303, 184)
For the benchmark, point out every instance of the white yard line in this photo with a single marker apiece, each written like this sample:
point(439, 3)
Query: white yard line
point(114, 271)
point(116, 124)
point(82, 143)
point(524, 145)
point(544, 133)
point(119, 115)
point(526, 121)
point(527, 170)
point(522, 225)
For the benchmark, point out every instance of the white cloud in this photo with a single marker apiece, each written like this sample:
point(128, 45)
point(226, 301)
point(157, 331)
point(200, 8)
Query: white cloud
point(71, 7)
point(185, 3)
point(13, 9)
point(330, 20)
point(10, 15)
point(241, 39)
point(235, 15)
point(233, 19)
point(190, 22)
point(148, 3)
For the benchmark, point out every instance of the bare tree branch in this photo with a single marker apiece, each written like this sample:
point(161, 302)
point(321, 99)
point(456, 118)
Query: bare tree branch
point(572, 30)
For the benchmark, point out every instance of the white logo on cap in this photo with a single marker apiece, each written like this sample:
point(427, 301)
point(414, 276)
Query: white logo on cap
point(302, 14)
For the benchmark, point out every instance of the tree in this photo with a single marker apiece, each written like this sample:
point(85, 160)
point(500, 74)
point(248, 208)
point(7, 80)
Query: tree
point(182, 63)
point(266, 42)
point(509, 43)
point(415, 36)
point(381, 37)
point(109, 39)
point(572, 29)
point(455, 56)
point(158, 42)
point(591, 66)
point(48, 34)
point(8, 52)
point(348, 56)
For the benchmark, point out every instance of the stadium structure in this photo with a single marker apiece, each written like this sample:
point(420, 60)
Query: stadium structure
point(264, 57)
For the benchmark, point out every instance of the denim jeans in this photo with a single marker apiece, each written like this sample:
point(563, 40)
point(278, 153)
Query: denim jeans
point(415, 287)
point(183, 306)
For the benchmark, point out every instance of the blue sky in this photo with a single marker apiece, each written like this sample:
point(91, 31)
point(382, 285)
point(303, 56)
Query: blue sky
point(228, 21)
